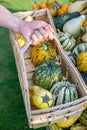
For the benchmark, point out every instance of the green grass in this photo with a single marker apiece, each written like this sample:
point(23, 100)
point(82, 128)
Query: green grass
point(12, 110)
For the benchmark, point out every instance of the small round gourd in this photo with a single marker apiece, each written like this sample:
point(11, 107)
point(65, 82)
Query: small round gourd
point(82, 47)
point(42, 52)
point(82, 62)
point(47, 74)
point(71, 56)
point(39, 97)
point(67, 41)
point(64, 92)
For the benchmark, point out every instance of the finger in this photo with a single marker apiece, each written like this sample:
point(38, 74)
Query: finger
point(39, 35)
point(51, 29)
point(35, 39)
point(43, 33)
point(51, 36)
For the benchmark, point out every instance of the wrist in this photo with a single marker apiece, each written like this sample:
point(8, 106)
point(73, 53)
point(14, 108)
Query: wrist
point(16, 24)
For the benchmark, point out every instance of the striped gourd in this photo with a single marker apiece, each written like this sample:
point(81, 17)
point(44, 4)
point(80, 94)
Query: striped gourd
point(47, 74)
point(71, 56)
point(83, 117)
point(63, 92)
point(54, 127)
point(67, 41)
point(82, 47)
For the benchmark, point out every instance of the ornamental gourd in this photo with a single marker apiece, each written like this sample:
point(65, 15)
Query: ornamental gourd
point(71, 56)
point(83, 117)
point(82, 62)
point(65, 123)
point(78, 126)
point(67, 41)
point(63, 9)
point(47, 74)
point(42, 52)
point(40, 97)
point(64, 92)
point(82, 47)
point(54, 127)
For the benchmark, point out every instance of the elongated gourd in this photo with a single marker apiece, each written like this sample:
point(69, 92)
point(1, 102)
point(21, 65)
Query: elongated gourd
point(77, 6)
point(73, 26)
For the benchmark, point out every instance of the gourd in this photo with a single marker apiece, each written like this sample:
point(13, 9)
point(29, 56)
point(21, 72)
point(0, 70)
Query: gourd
point(82, 62)
point(84, 76)
point(77, 6)
point(54, 127)
point(84, 37)
point(63, 9)
point(78, 126)
point(73, 26)
point(84, 23)
point(65, 123)
point(82, 47)
point(53, 6)
point(63, 92)
point(79, 36)
point(83, 117)
point(42, 52)
point(21, 40)
point(47, 74)
point(60, 20)
point(71, 56)
point(40, 97)
point(67, 41)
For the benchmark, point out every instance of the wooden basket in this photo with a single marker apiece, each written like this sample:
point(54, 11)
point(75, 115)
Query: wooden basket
point(42, 117)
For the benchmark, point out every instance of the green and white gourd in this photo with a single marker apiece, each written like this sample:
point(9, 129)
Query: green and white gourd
point(67, 41)
point(63, 92)
point(71, 56)
point(47, 74)
point(82, 47)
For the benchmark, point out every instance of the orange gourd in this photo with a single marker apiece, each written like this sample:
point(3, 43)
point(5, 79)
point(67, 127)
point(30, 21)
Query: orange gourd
point(84, 23)
point(42, 6)
point(63, 9)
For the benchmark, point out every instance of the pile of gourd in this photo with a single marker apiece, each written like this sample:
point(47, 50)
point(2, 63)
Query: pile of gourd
point(50, 89)
point(72, 33)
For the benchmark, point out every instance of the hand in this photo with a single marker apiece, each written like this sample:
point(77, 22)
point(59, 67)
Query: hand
point(36, 30)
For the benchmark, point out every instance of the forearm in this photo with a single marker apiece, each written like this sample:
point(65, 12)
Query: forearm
point(8, 20)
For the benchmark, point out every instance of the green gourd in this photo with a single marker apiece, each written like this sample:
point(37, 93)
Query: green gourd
point(59, 21)
point(71, 56)
point(82, 47)
point(67, 41)
point(73, 26)
point(47, 74)
point(83, 117)
point(78, 126)
point(63, 92)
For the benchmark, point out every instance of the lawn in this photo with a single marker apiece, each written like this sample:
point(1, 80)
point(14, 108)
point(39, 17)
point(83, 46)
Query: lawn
point(12, 110)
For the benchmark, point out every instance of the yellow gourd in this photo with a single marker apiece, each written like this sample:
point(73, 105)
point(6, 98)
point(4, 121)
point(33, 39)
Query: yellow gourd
point(42, 52)
point(82, 62)
point(41, 98)
point(67, 122)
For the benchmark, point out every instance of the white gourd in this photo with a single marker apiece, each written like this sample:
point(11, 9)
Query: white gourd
point(74, 25)
point(77, 6)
